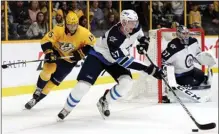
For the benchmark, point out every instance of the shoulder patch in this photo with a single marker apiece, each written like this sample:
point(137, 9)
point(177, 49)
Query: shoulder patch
point(172, 48)
point(115, 37)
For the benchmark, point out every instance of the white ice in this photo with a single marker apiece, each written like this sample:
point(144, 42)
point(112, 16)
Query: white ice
point(126, 118)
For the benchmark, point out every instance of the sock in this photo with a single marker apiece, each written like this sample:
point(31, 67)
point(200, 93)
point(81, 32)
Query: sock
point(39, 98)
point(112, 94)
point(50, 85)
point(41, 83)
point(76, 94)
point(120, 89)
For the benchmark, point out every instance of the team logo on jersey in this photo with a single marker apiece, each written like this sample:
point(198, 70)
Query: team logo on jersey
point(173, 46)
point(112, 39)
point(65, 46)
point(189, 61)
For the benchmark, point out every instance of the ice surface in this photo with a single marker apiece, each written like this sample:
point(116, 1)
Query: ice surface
point(126, 118)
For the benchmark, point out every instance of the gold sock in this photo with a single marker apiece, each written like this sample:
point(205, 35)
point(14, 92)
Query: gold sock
point(50, 85)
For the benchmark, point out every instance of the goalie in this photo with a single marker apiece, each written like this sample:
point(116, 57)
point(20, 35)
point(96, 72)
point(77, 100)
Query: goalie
point(181, 52)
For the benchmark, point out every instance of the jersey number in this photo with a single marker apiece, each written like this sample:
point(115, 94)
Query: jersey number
point(50, 34)
point(91, 37)
point(166, 54)
point(66, 47)
point(115, 54)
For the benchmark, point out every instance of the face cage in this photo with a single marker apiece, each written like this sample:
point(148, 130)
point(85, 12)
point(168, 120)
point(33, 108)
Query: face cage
point(183, 36)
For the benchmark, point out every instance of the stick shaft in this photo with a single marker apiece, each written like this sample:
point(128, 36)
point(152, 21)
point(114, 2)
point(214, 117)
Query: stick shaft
point(30, 61)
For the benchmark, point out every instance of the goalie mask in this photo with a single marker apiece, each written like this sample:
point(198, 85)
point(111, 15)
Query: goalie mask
point(182, 33)
point(129, 20)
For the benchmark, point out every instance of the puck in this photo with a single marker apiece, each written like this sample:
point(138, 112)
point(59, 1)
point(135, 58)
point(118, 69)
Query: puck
point(194, 130)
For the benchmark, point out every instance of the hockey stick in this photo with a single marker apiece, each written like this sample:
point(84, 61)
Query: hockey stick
point(103, 72)
point(200, 126)
point(9, 64)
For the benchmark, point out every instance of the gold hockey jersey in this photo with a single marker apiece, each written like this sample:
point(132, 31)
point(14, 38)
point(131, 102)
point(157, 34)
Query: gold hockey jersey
point(65, 43)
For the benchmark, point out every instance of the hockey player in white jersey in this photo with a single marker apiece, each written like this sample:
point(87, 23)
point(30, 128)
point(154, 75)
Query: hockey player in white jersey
point(181, 53)
point(111, 54)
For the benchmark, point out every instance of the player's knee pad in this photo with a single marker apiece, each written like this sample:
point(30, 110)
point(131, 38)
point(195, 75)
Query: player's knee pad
point(125, 83)
point(80, 90)
point(48, 70)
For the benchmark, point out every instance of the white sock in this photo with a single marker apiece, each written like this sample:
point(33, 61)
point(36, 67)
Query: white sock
point(76, 94)
point(120, 89)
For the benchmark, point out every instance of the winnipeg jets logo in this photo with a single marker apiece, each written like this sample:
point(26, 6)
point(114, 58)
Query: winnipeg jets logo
point(189, 61)
point(112, 39)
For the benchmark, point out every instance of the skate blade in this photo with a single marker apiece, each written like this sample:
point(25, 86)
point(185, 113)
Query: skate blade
point(100, 110)
point(27, 109)
point(59, 119)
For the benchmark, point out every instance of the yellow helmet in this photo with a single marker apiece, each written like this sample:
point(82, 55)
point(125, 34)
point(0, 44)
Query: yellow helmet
point(71, 18)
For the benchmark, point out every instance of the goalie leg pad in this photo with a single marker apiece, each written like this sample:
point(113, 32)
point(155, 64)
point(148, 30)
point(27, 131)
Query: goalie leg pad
point(210, 76)
point(193, 78)
point(181, 90)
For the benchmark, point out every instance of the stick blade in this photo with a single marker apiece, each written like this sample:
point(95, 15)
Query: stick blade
point(206, 126)
point(4, 66)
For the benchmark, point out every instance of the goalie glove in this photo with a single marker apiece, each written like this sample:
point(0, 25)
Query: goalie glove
point(206, 58)
point(50, 56)
point(143, 46)
point(154, 71)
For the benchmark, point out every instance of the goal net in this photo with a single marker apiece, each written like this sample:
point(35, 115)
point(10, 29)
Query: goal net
point(146, 88)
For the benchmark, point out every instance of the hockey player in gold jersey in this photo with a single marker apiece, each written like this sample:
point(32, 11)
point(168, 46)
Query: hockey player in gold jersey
point(70, 39)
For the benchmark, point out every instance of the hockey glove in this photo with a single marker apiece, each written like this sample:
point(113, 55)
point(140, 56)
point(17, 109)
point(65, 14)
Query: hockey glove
point(76, 56)
point(154, 71)
point(50, 56)
point(143, 46)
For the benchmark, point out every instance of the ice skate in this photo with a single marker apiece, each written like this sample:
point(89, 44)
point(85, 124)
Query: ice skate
point(62, 114)
point(165, 99)
point(103, 107)
point(30, 103)
point(34, 100)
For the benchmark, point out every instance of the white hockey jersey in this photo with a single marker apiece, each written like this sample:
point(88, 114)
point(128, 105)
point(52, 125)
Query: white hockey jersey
point(181, 56)
point(114, 44)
